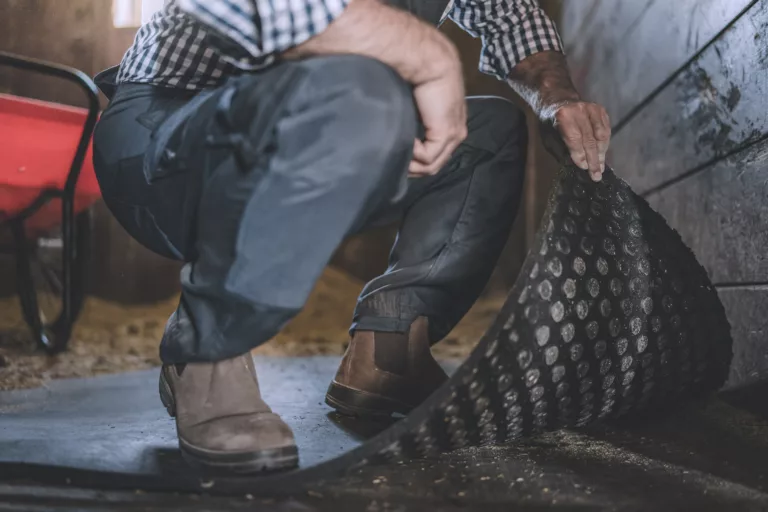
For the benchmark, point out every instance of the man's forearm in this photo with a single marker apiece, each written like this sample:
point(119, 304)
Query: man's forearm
point(544, 82)
point(416, 50)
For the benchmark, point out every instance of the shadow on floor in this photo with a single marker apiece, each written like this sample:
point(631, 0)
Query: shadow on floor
point(360, 429)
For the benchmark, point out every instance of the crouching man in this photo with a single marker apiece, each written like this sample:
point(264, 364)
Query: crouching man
point(248, 138)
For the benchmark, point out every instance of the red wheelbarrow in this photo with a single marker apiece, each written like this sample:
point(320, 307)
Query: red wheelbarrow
point(47, 184)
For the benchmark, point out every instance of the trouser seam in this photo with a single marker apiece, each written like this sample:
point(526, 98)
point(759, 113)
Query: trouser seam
point(451, 240)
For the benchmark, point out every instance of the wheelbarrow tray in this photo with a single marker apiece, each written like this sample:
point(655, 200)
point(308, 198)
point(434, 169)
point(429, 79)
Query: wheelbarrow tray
point(39, 142)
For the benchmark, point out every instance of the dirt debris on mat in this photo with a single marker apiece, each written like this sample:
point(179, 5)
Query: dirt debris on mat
point(111, 338)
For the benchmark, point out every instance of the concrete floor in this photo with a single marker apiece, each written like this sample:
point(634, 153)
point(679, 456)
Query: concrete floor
point(709, 456)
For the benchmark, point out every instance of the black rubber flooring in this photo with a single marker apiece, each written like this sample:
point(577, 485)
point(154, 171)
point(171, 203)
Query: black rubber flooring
point(116, 422)
point(706, 456)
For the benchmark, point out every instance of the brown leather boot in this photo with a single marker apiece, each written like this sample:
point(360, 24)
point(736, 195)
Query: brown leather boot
point(384, 373)
point(222, 421)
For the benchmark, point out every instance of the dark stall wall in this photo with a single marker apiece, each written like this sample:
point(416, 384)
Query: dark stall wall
point(621, 50)
point(686, 84)
point(77, 33)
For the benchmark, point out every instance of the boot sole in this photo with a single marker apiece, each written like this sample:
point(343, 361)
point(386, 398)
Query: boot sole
point(355, 402)
point(263, 461)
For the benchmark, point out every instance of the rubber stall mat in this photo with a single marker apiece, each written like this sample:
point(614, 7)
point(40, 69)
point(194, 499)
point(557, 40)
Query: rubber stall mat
point(611, 316)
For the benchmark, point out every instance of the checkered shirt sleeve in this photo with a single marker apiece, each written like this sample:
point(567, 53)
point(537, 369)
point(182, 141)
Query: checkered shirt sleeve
point(511, 30)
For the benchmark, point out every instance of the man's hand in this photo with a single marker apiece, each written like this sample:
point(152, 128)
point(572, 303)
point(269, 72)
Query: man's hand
point(443, 111)
point(586, 131)
point(376, 30)
point(543, 81)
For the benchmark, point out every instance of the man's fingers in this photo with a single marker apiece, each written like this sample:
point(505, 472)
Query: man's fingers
point(589, 143)
point(420, 168)
point(586, 131)
point(416, 169)
point(602, 130)
point(572, 136)
point(431, 155)
point(425, 152)
point(426, 156)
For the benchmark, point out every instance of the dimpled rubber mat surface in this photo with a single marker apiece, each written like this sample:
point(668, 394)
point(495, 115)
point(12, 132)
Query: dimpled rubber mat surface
point(610, 316)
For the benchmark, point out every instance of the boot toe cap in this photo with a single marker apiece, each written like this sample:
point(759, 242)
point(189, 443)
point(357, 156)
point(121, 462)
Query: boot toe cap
point(243, 433)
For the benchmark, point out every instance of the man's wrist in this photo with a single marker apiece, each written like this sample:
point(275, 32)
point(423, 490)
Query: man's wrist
point(439, 58)
point(544, 82)
point(546, 112)
point(552, 97)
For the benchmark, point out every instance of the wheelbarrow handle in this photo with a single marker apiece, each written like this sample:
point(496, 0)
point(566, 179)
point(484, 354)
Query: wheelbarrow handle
point(68, 194)
point(91, 93)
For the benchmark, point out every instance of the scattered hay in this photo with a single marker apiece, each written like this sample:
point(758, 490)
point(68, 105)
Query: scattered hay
point(111, 338)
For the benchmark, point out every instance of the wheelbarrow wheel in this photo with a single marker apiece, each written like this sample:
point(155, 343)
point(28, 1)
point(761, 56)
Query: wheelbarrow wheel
point(42, 290)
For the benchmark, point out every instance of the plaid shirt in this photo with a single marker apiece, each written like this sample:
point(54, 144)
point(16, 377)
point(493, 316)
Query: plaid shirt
point(195, 44)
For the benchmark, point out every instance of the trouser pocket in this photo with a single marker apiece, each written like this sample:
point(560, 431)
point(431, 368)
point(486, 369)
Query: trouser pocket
point(166, 119)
